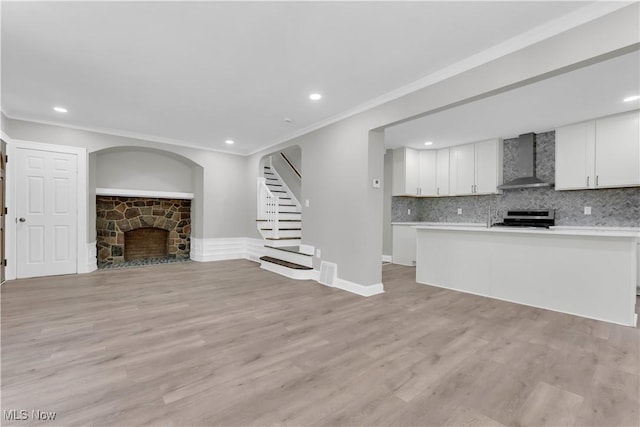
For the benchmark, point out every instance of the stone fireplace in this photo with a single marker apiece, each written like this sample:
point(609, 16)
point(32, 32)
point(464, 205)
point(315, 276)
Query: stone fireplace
point(137, 228)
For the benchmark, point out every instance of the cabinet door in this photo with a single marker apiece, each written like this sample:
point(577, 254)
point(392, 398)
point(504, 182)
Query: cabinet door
point(404, 245)
point(488, 166)
point(465, 169)
point(428, 173)
point(405, 172)
point(617, 151)
point(575, 146)
point(442, 172)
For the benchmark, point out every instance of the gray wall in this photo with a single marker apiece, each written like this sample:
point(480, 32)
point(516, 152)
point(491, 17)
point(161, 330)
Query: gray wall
point(610, 207)
point(386, 204)
point(219, 179)
point(294, 154)
point(142, 170)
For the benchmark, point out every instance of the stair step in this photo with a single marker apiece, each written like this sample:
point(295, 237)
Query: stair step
point(280, 220)
point(274, 185)
point(282, 229)
point(291, 249)
point(283, 263)
point(282, 238)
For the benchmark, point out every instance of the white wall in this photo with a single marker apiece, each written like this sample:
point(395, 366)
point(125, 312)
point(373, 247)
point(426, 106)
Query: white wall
point(142, 170)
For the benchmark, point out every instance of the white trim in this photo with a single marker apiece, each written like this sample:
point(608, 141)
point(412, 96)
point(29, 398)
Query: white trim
point(289, 272)
point(142, 193)
point(123, 134)
point(545, 31)
point(356, 288)
point(387, 258)
point(219, 249)
point(82, 262)
point(87, 259)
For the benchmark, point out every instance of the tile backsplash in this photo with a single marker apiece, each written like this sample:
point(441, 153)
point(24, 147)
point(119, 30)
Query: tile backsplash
point(618, 207)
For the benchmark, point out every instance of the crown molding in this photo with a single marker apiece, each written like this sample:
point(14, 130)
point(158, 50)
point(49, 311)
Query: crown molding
point(519, 42)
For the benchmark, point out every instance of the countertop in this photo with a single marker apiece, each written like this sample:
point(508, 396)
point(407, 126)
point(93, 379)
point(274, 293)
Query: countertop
point(557, 231)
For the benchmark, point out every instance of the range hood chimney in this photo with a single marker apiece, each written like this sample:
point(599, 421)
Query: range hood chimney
point(526, 166)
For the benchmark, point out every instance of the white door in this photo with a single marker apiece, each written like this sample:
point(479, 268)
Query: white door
point(47, 213)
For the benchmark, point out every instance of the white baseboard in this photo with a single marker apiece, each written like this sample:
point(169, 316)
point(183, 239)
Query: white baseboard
point(220, 249)
point(387, 258)
point(88, 260)
point(356, 288)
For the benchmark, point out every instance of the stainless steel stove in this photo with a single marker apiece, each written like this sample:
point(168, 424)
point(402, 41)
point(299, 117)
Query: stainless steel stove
point(542, 218)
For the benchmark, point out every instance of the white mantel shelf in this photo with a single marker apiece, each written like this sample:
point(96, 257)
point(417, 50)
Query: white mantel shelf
point(142, 193)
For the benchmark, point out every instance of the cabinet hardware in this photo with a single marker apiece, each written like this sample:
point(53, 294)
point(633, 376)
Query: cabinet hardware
point(438, 191)
point(588, 180)
point(596, 180)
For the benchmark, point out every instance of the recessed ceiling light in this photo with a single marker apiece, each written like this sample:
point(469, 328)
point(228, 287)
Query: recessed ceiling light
point(428, 143)
point(229, 141)
point(315, 96)
point(631, 98)
point(60, 109)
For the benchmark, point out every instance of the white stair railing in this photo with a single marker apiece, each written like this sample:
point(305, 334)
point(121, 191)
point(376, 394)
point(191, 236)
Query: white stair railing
point(268, 207)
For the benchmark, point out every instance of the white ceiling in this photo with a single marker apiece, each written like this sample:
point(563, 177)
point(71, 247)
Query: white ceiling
point(593, 91)
point(198, 73)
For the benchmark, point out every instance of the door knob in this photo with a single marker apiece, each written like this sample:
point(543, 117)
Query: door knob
point(22, 219)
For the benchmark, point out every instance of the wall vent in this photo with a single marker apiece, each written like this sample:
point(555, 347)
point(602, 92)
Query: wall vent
point(328, 273)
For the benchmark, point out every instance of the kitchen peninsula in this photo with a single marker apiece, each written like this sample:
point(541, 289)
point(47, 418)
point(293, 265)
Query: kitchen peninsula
point(585, 272)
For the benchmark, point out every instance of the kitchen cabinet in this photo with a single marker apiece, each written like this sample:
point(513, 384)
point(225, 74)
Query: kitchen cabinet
point(406, 172)
point(427, 173)
point(476, 168)
point(404, 244)
point(414, 172)
point(442, 172)
point(602, 153)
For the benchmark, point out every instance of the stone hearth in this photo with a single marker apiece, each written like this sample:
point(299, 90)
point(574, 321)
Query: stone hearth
point(118, 215)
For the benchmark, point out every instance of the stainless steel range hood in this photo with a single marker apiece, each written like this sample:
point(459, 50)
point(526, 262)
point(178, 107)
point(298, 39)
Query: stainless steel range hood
point(526, 166)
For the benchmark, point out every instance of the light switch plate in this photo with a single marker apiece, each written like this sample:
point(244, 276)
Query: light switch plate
point(587, 210)
point(408, 211)
point(306, 203)
point(376, 183)
point(459, 211)
point(318, 253)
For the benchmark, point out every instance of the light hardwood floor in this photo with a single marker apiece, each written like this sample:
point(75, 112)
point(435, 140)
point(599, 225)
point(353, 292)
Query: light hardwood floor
point(228, 344)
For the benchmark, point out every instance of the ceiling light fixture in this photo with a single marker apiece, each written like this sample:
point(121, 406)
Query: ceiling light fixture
point(428, 143)
point(60, 109)
point(229, 141)
point(315, 96)
point(631, 98)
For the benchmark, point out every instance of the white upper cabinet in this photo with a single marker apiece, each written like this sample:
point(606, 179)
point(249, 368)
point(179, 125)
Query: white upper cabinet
point(488, 166)
point(618, 150)
point(575, 149)
point(464, 169)
point(476, 168)
point(428, 173)
point(406, 172)
point(599, 153)
point(442, 172)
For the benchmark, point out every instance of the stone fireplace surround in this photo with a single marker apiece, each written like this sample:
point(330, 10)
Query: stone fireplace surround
point(118, 215)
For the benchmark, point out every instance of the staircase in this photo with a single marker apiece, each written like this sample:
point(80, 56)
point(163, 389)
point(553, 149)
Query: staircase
point(280, 225)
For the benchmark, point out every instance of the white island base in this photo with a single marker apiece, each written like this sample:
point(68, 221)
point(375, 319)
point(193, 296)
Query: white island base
point(589, 274)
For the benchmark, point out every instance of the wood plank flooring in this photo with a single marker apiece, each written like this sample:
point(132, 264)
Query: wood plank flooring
point(228, 344)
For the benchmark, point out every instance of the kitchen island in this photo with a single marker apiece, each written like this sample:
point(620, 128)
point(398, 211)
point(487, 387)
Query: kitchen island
point(585, 272)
